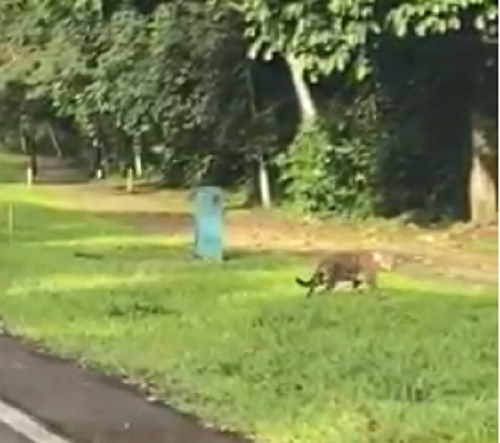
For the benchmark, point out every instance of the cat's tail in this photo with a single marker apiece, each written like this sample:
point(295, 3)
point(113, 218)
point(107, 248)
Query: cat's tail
point(304, 283)
point(312, 283)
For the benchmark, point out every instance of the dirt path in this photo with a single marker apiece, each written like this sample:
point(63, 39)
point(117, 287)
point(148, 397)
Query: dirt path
point(452, 252)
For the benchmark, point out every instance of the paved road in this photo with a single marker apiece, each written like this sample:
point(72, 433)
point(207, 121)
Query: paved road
point(18, 427)
point(9, 436)
point(83, 406)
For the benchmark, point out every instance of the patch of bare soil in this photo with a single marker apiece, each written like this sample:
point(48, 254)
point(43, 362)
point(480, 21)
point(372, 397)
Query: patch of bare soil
point(448, 252)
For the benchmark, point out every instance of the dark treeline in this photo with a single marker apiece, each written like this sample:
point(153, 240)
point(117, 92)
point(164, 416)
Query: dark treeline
point(354, 107)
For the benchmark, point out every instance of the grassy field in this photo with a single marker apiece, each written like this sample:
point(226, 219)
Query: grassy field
point(239, 345)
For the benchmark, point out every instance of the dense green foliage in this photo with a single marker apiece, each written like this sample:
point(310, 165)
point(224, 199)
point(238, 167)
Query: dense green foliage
point(330, 166)
point(171, 87)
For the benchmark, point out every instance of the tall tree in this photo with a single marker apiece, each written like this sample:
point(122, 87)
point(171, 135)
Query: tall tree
point(318, 37)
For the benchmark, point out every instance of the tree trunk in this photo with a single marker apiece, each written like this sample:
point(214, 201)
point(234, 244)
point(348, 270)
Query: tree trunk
point(264, 184)
point(137, 155)
point(482, 193)
point(29, 150)
point(138, 163)
point(483, 180)
point(29, 175)
point(53, 139)
point(263, 181)
point(97, 160)
point(32, 168)
point(32, 161)
point(304, 97)
point(130, 180)
point(24, 145)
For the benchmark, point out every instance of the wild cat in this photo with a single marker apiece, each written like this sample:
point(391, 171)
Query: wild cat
point(352, 266)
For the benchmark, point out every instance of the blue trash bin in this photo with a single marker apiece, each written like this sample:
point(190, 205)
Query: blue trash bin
point(208, 223)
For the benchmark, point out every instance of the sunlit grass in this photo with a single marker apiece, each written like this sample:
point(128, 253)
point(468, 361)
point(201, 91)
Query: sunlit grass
point(238, 344)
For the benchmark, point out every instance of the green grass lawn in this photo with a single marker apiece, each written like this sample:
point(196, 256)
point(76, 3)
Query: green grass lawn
point(11, 168)
point(239, 345)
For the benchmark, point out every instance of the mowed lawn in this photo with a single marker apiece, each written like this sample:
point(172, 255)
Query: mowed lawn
point(239, 345)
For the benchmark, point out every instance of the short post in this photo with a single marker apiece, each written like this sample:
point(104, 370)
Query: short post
point(10, 221)
point(130, 180)
point(208, 218)
point(29, 175)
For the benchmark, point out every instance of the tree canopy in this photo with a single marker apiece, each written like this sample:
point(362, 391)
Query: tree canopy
point(207, 91)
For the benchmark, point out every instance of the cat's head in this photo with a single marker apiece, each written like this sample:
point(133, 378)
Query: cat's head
point(383, 260)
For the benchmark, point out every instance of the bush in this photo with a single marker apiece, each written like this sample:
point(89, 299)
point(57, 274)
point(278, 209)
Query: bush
point(305, 169)
point(331, 165)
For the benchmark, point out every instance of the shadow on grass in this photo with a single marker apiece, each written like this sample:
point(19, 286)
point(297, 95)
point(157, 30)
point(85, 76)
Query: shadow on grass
point(9, 179)
point(111, 237)
point(140, 188)
point(12, 170)
point(49, 221)
point(50, 170)
point(61, 180)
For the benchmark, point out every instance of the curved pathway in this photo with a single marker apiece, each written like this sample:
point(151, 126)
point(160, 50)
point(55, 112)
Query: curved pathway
point(82, 406)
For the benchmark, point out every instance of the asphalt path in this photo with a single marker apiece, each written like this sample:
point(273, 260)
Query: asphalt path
point(17, 426)
point(76, 405)
point(7, 435)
